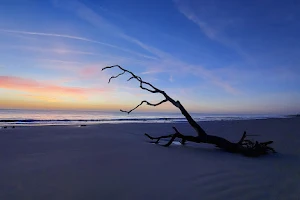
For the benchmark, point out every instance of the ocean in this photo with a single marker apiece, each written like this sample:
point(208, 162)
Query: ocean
point(9, 117)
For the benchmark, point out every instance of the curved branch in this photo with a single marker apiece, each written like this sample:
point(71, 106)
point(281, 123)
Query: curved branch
point(172, 136)
point(116, 76)
point(147, 102)
point(158, 138)
point(133, 76)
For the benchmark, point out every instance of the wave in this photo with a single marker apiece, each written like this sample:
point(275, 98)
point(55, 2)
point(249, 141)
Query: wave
point(125, 120)
point(90, 120)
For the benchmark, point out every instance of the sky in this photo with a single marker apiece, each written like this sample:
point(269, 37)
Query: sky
point(214, 56)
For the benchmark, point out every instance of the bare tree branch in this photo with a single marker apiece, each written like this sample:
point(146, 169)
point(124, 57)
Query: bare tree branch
point(133, 77)
point(148, 103)
point(177, 104)
point(116, 76)
point(158, 138)
point(244, 146)
point(242, 139)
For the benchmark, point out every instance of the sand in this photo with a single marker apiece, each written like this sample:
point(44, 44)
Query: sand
point(116, 161)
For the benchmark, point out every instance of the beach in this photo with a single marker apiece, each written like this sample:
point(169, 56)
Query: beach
point(116, 161)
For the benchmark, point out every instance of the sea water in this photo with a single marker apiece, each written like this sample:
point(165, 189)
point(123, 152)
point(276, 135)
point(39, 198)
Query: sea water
point(71, 117)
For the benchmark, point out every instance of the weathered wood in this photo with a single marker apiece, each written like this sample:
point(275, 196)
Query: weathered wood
point(243, 146)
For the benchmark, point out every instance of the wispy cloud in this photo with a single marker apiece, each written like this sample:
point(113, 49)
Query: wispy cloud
point(153, 50)
point(98, 21)
point(211, 28)
point(93, 18)
point(169, 63)
point(164, 62)
point(36, 87)
point(61, 61)
point(212, 77)
point(90, 71)
point(52, 50)
point(56, 35)
point(188, 13)
point(154, 71)
point(76, 38)
point(171, 78)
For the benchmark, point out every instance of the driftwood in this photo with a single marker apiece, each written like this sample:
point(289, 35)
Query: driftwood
point(243, 146)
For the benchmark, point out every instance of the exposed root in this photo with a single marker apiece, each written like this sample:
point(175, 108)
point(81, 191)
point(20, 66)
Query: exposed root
point(245, 147)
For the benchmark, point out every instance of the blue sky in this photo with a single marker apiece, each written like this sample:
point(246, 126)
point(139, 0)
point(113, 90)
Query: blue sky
point(214, 56)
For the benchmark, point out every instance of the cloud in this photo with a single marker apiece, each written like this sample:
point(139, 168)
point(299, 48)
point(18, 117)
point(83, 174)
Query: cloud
point(93, 18)
point(56, 35)
point(153, 50)
point(188, 13)
point(184, 9)
point(60, 61)
point(212, 27)
point(154, 71)
point(36, 87)
point(171, 78)
point(76, 38)
point(163, 62)
point(169, 63)
point(90, 71)
point(53, 50)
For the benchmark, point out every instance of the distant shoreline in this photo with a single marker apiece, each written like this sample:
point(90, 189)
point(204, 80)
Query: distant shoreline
point(297, 115)
point(83, 122)
point(33, 118)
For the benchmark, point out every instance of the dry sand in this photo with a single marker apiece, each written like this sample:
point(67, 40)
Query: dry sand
point(115, 161)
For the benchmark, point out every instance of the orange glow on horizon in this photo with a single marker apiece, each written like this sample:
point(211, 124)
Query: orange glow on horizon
point(55, 105)
point(35, 87)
